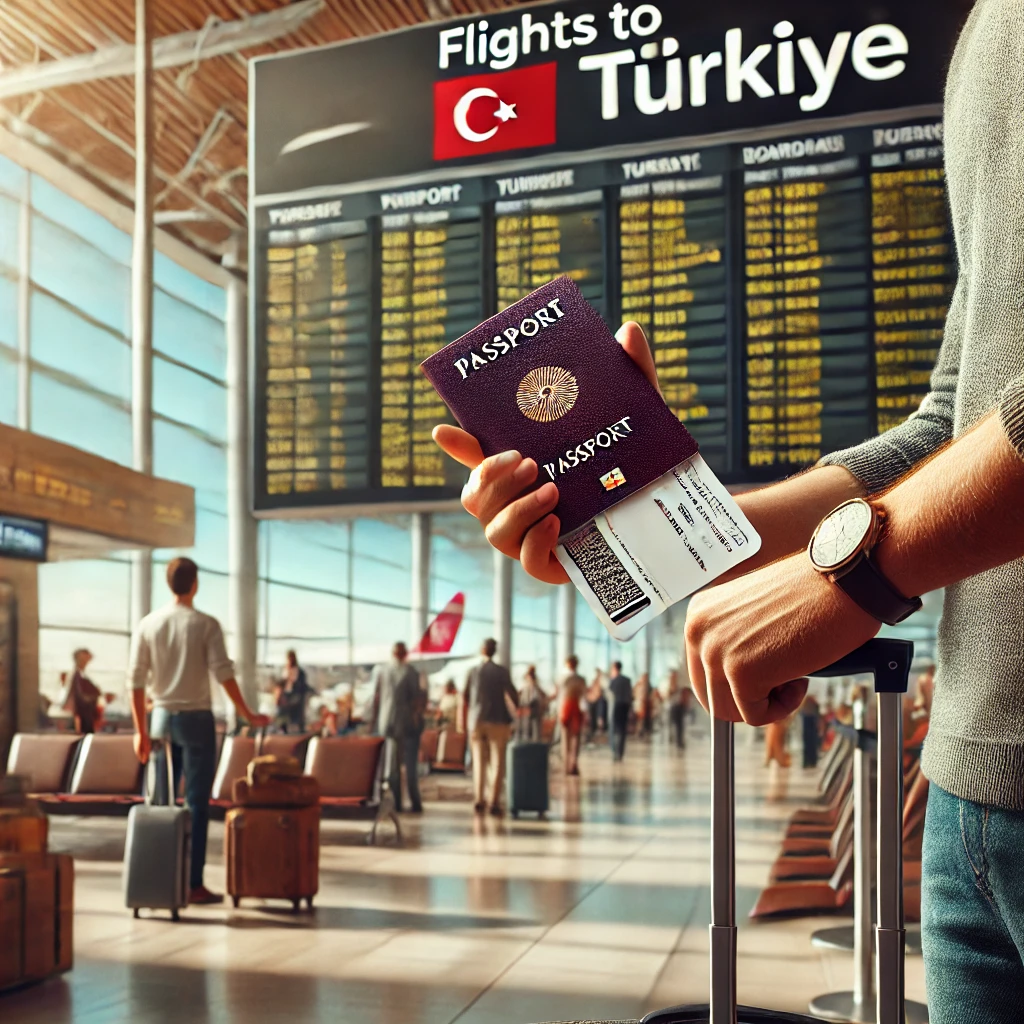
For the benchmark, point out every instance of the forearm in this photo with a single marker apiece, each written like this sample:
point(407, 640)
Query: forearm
point(785, 514)
point(234, 694)
point(960, 514)
point(139, 712)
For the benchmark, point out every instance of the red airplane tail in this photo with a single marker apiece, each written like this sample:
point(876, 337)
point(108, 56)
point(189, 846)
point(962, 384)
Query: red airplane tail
point(440, 634)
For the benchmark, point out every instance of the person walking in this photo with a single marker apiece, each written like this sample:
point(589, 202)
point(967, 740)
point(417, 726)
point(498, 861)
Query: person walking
point(570, 715)
point(83, 695)
point(678, 709)
point(810, 724)
point(398, 700)
point(597, 707)
point(621, 689)
point(175, 650)
point(532, 703)
point(488, 696)
point(293, 696)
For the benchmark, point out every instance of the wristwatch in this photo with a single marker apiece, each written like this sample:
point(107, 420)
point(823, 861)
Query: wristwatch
point(841, 551)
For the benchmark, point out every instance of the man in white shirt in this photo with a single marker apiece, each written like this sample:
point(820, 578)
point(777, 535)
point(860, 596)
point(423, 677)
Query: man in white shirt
point(175, 650)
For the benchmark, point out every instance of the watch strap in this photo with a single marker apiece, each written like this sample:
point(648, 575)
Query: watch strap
point(866, 586)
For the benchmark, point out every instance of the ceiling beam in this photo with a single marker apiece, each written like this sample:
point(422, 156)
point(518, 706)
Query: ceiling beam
point(213, 40)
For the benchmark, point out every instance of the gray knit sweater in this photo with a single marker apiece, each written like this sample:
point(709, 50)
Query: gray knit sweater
point(975, 745)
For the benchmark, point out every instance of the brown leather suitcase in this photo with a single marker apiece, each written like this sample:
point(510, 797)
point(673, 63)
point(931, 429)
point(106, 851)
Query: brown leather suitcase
point(273, 853)
point(11, 919)
point(267, 767)
point(23, 829)
point(30, 901)
point(301, 792)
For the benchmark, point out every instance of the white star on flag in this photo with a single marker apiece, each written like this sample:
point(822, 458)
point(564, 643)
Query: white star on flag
point(505, 111)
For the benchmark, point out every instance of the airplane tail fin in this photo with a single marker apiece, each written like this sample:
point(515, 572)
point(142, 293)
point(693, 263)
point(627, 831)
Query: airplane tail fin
point(440, 635)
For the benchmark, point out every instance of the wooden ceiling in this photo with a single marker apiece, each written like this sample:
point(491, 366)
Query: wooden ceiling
point(200, 111)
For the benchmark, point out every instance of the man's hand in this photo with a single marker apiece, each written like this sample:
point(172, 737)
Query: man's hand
point(518, 521)
point(258, 721)
point(143, 746)
point(751, 642)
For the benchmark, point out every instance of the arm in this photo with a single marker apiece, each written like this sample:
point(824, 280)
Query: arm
point(139, 665)
point(224, 671)
point(959, 514)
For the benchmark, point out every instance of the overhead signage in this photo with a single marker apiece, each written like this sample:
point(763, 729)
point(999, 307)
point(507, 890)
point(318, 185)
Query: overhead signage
point(23, 538)
point(569, 77)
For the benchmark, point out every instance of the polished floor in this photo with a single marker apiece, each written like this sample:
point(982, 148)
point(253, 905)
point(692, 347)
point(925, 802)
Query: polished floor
point(600, 912)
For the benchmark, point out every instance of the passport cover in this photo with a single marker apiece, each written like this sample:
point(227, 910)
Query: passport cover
point(547, 378)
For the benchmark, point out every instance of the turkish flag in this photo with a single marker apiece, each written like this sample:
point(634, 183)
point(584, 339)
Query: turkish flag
point(491, 113)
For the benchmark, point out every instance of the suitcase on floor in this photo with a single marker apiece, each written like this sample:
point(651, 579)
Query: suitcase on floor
point(527, 775)
point(157, 850)
point(273, 853)
point(889, 662)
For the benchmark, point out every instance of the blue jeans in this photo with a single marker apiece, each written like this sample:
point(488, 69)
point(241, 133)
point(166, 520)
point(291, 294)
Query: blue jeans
point(972, 911)
point(194, 752)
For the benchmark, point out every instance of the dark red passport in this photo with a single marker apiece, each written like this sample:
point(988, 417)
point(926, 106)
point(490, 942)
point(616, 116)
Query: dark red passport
point(547, 378)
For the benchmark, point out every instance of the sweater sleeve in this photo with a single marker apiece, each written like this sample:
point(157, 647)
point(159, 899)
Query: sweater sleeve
point(881, 461)
point(1011, 412)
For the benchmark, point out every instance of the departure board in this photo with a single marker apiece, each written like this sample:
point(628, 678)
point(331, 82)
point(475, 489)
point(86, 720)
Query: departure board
point(794, 292)
point(807, 308)
point(317, 377)
point(672, 240)
point(431, 292)
point(913, 273)
point(544, 237)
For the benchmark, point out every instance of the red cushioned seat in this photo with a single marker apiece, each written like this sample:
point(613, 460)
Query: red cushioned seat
point(347, 768)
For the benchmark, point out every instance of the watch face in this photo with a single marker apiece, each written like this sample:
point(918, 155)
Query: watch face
point(841, 534)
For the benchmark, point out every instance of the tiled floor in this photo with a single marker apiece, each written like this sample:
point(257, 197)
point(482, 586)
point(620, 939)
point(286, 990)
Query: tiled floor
point(601, 911)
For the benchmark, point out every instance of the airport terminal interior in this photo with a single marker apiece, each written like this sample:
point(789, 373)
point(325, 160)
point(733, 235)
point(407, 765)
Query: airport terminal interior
point(230, 232)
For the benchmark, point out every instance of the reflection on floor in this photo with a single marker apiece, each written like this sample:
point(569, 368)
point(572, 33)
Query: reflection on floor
point(601, 911)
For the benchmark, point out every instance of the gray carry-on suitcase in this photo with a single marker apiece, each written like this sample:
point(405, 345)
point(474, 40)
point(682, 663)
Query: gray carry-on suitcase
point(157, 850)
point(527, 777)
point(889, 662)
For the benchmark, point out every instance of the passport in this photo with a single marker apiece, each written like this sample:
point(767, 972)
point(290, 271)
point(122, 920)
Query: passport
point(547, 378)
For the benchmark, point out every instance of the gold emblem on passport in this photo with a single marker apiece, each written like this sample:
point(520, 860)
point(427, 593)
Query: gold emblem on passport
point(547, 393)
point(613, 478)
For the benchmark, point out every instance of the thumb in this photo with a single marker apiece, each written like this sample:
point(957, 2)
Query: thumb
point(632, 338)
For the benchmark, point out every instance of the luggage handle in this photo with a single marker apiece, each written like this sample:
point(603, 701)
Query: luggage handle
point(151, 773)
point(888, 660)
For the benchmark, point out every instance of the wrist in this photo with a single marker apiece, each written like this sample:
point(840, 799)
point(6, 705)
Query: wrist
point(893, 554)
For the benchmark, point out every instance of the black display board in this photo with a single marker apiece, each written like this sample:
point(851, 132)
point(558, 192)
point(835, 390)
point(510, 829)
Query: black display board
point(793, 281)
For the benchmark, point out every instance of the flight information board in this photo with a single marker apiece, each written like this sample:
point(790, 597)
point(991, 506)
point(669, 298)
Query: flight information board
point(793, 291)
point(431, 292)
point(316, 378)
point(544, 237)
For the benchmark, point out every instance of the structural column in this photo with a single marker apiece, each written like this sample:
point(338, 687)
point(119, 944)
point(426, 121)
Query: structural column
point(503, 607)
point(243, 536)
point(420, 599)
point(566, 625)
point(25, 308)
point(142, 291)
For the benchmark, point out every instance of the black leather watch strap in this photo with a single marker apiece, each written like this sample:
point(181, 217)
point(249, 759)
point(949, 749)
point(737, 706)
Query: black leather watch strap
point(864, 584)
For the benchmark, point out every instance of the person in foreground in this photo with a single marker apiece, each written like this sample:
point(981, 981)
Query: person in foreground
point(944, 508)
point(175, 650)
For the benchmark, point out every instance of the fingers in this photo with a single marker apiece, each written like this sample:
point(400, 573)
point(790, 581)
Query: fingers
point(507, 529)
point(632, 338)
point(538, 552)
point(780, 703)
point(495, 485)
point(462, 447)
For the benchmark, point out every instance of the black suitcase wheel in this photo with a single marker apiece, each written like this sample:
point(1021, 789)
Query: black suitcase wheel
point(174, 915)
point(515, 813)
point(236, 900)
point(135, 912)
point(296, 905)
point(309, 903)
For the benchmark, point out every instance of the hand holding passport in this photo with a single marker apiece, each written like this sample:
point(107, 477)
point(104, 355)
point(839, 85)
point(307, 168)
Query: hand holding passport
point(643, 521)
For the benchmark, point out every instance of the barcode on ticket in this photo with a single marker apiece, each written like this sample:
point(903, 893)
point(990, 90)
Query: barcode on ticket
point(619, 594)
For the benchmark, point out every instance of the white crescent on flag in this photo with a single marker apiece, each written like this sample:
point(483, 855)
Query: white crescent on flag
point(461, 112)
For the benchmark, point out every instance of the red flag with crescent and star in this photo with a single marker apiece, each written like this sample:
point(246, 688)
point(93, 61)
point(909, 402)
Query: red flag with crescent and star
point(490, 113)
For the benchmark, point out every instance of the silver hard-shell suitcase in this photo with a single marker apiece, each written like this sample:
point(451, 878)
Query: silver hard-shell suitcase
point(889, 662)
point(157, 851)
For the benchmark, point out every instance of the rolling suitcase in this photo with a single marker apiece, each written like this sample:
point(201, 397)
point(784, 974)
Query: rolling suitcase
point(889, 662)
point(157, 851)
point(273, 853)
point(527, 775)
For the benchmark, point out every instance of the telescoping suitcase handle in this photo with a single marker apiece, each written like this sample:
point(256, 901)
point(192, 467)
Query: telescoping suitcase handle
point(889, 662)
